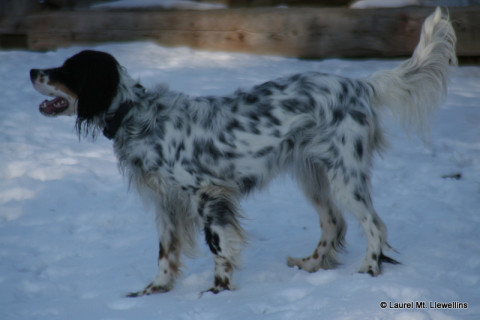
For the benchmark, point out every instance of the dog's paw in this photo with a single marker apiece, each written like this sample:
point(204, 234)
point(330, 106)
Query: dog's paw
point(301, 263)
point(372, 266)
point(308, 264)
point(220, 284)
point(293, 262)
point(214, 290)
point(150, 289)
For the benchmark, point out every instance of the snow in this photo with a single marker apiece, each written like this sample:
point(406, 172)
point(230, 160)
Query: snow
point(74, 241)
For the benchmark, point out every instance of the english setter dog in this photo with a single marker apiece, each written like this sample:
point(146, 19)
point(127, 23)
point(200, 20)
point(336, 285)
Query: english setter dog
point(193, 158)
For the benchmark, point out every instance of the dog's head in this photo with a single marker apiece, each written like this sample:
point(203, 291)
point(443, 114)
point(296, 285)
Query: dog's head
point(84, 86)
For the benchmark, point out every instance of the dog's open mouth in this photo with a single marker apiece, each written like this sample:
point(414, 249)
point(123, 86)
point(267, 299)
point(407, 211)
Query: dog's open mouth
point(54, 106)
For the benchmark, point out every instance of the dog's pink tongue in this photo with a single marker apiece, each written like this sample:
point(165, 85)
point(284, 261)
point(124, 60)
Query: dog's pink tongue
point(54, 106)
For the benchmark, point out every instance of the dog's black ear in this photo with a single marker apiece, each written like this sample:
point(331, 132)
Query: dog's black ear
point(97, 85)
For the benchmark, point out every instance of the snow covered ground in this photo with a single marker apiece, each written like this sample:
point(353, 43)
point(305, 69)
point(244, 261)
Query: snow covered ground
point(73, 241)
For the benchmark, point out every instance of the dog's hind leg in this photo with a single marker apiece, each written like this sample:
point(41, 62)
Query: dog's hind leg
point(359, 202)
point(315, 185)
point(223, 233)
point(351, 187)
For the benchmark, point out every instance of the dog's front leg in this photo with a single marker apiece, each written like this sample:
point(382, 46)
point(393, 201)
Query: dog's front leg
point(168, 259)
point(223, 233)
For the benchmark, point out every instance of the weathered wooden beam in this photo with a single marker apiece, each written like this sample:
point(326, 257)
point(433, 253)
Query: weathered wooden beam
point(296, 32)
point(290, 3)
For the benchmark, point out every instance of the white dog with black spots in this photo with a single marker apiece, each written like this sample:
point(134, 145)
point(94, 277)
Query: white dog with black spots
point(194, 158)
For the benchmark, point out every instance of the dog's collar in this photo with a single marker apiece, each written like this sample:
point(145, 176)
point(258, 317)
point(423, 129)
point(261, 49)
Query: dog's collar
point(112, 124)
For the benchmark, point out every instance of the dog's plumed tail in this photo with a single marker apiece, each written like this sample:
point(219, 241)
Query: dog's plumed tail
point(418, 86)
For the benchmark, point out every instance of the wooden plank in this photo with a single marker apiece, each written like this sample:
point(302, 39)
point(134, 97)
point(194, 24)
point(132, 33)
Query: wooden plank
point(289, 3)
point(297, 32)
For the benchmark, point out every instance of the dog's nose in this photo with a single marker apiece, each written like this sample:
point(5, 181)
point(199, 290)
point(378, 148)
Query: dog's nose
point(34, 74)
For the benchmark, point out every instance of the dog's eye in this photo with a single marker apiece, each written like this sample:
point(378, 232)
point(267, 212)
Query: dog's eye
point(62, 74)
